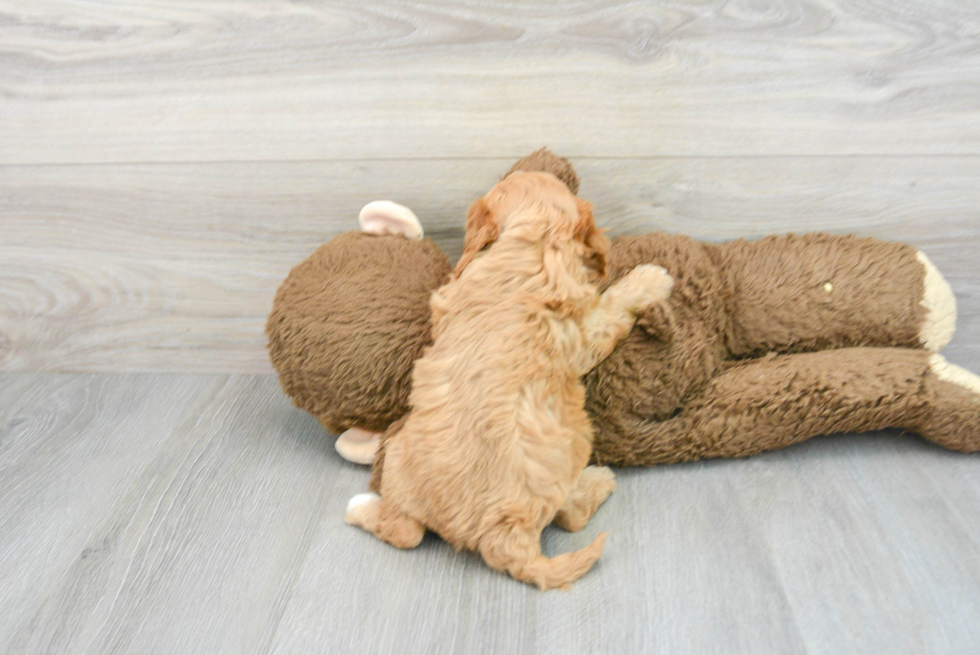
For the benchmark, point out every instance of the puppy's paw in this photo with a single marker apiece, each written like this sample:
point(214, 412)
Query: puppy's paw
point(601, 480)
point(363, 510)
point(646, 285)
point(591, 490)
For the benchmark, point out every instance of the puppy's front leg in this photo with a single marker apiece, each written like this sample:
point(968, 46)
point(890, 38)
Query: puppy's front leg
point(612, 320)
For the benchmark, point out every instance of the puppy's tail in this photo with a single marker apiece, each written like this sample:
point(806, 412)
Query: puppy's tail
point(526, 563)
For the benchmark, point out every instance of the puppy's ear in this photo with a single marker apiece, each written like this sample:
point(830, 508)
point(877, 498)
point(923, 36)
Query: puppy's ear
point(482, 229)
point(595, 240)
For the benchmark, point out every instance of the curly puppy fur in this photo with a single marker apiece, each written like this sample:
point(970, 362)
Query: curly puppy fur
point(496, 442)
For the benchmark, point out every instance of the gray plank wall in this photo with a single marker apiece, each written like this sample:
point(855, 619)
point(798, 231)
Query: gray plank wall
point(162, 166)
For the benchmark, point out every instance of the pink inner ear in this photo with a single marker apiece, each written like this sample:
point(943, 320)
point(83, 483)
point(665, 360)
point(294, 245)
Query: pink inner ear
point(386, 217)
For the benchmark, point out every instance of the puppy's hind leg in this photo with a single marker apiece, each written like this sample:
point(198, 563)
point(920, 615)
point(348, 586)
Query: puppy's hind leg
point(388, 523)
point(512, 550)
point(592, 489)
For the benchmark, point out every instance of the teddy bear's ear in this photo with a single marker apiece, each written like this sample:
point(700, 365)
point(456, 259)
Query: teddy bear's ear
point(386, 217)
point(482, 229)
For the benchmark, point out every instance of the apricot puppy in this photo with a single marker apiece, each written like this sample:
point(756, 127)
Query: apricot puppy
point(496, 444)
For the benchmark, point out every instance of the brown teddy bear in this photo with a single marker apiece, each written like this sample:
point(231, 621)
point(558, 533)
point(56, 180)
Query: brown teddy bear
point(761, 345)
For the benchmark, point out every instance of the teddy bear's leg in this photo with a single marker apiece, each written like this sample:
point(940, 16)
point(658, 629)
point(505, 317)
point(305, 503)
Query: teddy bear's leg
point(774, 402)
point(817, 291)
point(954, 421)
point(592, 489)
point(358, 446)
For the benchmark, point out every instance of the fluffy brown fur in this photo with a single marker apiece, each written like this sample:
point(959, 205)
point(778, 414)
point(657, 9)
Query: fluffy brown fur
point(497, 439)
point(344, 337)
point(549, 162)
point(665, 394)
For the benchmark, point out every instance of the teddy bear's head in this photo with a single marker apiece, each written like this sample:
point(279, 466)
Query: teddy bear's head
point(349, 321)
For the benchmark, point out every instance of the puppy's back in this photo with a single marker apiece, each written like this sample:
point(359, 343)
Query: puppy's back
point(488, 404)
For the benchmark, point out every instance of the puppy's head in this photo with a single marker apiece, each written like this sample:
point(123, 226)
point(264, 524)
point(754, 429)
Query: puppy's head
point(534, 205)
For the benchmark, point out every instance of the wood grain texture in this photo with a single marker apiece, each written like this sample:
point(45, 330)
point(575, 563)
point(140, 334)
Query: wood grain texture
point(196, 549)
point(686, 570)
point(217, 81)
point(176, 514)
point(173, 267)
point(874, 533)
point(69, 449)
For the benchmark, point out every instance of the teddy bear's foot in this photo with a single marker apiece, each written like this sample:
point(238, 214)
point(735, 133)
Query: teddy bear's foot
point(358, 446)
point(956, 374)
point(954, 421)
point(940, 305)
point(386, 217)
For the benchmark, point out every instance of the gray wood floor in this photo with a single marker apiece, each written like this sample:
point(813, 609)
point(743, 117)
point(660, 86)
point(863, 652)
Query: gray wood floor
point(163, 164)
point(155, 513)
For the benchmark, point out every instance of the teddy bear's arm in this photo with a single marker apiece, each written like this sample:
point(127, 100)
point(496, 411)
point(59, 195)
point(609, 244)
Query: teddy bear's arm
point(777, 401)
point(817, 291)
